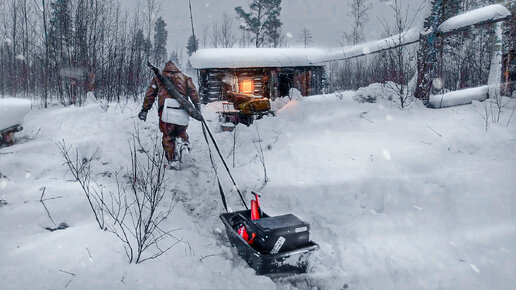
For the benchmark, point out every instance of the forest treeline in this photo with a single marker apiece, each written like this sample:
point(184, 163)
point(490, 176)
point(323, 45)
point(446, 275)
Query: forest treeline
point(58, 50)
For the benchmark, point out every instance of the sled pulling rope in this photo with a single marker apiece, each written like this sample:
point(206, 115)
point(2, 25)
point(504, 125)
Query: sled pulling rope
point(271, 245)
point(194, 113)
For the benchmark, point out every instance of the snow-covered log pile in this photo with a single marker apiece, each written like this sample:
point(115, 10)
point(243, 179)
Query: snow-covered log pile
point(460, 97)
point(13, 111)
point(484, 15)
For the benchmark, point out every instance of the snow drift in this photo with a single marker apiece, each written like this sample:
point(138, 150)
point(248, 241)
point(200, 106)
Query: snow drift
point(13, 112)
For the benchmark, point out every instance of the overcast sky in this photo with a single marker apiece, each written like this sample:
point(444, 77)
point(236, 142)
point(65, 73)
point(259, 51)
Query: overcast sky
point(326, 19)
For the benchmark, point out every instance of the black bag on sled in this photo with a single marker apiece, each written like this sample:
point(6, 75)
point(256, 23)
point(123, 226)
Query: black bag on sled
point(280, 233)
point(281, 247)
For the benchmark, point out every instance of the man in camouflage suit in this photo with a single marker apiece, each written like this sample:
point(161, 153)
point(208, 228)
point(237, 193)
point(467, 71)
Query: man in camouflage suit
point(185, 87)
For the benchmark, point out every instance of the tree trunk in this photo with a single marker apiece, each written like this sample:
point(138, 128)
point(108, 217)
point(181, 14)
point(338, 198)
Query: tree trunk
point(495, 70)
point(427, 54)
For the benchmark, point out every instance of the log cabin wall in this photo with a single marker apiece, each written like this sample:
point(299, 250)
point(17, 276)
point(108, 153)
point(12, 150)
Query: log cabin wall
point(267, 82)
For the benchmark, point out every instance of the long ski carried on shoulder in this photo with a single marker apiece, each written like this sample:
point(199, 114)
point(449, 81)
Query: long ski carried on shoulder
point(194, 113)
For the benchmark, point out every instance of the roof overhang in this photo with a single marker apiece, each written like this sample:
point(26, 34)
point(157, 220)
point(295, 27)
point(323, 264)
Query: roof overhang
point(255, 57)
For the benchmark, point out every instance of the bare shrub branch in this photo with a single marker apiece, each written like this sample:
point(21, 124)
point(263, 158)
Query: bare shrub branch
point(136, 210)
point(81, 171)
point(261, 155)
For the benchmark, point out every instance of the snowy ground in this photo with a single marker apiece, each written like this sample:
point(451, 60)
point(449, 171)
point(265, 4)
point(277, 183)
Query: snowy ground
point(414, 199)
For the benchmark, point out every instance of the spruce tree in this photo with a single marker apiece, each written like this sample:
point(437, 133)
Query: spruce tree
point(192, 45)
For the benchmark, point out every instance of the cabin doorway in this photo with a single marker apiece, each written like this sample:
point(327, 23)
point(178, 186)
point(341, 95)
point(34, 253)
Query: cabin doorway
point(286, 82)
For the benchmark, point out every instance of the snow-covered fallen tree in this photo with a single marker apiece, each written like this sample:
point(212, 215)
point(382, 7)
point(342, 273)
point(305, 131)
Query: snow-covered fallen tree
point(404, 38)
point(484, 15)
point(460, 97)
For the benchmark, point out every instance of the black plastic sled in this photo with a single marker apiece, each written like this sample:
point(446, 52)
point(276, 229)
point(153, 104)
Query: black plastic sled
point(282, 246)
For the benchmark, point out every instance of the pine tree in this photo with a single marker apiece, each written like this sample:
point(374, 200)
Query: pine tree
point(160, 41)
point(262, 22)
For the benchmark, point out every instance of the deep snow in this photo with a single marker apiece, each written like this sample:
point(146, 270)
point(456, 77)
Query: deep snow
point(414, 199)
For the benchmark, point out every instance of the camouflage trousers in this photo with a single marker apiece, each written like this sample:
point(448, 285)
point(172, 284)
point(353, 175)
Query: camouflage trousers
point(170, 133)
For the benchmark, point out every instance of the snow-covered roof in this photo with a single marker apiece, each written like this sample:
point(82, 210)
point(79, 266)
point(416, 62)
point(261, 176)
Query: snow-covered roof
point(489, 13)
point(254, 57)
point(291, 57)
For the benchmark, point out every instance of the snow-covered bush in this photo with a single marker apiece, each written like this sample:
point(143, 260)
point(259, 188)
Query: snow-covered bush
point(363, 95)
point(376, 92)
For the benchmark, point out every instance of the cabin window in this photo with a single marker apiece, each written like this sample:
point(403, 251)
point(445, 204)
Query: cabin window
point(246, 86)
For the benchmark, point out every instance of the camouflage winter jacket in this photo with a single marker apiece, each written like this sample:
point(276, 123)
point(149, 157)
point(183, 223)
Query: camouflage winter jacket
point(183, 83)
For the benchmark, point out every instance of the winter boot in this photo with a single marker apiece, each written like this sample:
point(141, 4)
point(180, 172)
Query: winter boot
point(173, 165)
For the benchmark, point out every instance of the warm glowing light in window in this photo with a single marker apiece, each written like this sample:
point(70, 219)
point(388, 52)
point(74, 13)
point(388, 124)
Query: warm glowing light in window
point(246, 86)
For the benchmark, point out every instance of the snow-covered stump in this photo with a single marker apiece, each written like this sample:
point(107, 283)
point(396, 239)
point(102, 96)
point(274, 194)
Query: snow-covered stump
point(12, 114)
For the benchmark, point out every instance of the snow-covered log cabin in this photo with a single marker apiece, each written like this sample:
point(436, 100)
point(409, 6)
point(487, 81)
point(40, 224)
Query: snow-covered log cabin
point(262, 72)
